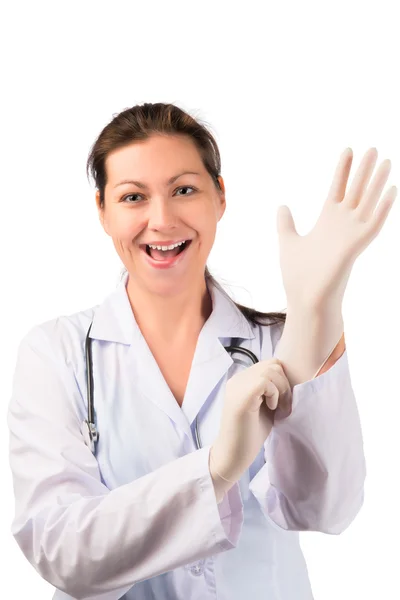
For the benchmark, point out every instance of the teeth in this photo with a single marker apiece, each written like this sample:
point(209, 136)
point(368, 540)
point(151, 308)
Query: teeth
point(166, 247)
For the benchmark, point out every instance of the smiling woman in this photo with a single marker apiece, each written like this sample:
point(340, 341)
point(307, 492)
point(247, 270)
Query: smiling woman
point(188, 452)
point(160, 131)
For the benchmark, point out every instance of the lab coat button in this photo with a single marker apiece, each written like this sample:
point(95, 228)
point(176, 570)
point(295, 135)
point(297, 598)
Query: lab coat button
point(196, 568)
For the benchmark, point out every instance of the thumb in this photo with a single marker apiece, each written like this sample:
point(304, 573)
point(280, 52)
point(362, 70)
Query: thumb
point(285, 222)
point(257, 394)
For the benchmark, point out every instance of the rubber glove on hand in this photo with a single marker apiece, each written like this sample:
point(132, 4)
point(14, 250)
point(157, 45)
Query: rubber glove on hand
point(251, 397)
point(316, 267)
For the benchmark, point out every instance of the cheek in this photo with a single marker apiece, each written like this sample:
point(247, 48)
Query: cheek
point(126, 228)
point(206, 218)
point(206, 226)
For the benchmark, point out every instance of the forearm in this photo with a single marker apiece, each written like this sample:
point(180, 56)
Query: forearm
point(309, 337)
point(221, 486)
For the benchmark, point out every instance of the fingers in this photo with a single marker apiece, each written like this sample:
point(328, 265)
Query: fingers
point(271, 395)
point(380, 215)
point(361, 178)
point(278, 390)
point(264, 382)
point(278, 376)
point(370, 199)
point(341, 176)
point(269, 384)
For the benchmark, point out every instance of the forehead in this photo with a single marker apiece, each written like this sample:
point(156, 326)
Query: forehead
point(158, 157)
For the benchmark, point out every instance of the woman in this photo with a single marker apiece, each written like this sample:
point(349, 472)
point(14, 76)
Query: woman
point(149, 514)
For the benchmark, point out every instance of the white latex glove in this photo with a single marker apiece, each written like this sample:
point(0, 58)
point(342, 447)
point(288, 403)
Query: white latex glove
point(251, 397)
point(316, 267)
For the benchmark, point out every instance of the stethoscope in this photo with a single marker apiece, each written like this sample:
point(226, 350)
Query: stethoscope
point(89, 430)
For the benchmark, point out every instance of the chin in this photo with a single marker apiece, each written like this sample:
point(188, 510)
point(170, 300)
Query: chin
point(170, 286)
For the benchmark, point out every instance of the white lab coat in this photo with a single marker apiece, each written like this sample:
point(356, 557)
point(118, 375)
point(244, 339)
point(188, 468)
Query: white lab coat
point(140, 520)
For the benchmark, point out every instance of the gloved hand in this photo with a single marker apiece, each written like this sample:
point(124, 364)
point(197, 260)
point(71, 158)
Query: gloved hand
point(251, 397)
point(316, 267)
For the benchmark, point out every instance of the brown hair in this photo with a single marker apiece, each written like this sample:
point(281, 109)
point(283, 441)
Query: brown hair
point(138, 123)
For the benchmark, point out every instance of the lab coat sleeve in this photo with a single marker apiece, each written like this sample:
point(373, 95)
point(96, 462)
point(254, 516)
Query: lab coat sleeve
point(314, 472)
point(81, 537)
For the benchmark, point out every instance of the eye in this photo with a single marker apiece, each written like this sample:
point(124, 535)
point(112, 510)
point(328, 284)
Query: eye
point(129, 196)
point(183, 187)
point(186, 187)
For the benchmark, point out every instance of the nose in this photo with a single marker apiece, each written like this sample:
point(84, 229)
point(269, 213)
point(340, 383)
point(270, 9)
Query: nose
point(161, 214)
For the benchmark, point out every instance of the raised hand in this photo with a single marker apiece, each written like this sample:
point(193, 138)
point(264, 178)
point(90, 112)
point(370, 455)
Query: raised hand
point(316, 267)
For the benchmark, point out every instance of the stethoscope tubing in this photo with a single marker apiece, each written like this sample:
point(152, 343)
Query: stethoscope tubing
point(92, 434)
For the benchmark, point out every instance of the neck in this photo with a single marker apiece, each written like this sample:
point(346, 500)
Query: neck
point(174, 318)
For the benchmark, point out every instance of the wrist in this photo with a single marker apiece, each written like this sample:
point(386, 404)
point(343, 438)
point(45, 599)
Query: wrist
point(309, 336)
point(221, 485)
point(321, 303)
point(313, 311)
point(312, 322)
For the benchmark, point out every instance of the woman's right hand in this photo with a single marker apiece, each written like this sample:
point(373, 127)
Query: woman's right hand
point(251, 398)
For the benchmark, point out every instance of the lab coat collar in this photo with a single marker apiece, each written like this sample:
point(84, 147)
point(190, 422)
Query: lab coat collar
point(114, 320)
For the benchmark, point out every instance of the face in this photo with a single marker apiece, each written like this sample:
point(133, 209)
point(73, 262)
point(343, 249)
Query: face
point(157, 211)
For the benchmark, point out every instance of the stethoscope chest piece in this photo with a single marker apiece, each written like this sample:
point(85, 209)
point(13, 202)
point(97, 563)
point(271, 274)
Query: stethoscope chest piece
point(90, 435)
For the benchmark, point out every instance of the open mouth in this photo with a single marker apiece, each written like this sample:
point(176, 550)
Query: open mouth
point(166, 254)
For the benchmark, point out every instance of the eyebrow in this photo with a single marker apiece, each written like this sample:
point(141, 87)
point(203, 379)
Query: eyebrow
point(141, 185)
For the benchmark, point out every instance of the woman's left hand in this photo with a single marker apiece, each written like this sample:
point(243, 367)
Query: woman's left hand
point(316, 267)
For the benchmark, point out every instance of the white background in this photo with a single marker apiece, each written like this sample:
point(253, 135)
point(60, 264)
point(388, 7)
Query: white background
point(285, 87)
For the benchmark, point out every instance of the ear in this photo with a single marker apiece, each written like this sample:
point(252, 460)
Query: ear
point(222, 196)
point(100, 210)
